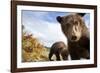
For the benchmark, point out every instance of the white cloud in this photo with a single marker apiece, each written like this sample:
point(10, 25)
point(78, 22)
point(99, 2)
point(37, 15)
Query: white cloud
point(48, 33)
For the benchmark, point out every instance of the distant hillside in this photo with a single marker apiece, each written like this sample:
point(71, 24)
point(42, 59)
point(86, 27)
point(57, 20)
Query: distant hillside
point(47, 47)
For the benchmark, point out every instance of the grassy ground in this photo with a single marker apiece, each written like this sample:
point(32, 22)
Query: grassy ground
point(33, 50)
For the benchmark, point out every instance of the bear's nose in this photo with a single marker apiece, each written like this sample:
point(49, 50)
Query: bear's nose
point(74, 38)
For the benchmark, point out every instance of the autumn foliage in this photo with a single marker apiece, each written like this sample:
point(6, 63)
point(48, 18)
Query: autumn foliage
point(32, 49)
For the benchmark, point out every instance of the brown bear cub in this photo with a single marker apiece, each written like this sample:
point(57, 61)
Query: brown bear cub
point(77, 34)
point(57, 49)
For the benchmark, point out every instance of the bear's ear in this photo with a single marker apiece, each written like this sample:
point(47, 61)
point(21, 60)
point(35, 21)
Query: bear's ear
point(59, 19)
point(81, 14)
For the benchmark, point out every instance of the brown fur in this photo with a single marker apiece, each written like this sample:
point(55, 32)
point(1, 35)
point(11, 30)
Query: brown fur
point(57, 49)
point(74, 28)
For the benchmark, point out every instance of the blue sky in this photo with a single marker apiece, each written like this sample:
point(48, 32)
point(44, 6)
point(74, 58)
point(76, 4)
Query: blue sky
point(44, 25)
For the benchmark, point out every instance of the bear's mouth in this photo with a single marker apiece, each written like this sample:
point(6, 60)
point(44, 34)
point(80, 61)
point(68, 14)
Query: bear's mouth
point(74, 39)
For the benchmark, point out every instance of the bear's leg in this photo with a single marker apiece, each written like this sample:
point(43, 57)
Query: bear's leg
point(75, 53)
point(75, 56)
point(50, 56)
point(64, 55)
point(85, 54)
point(57, 56)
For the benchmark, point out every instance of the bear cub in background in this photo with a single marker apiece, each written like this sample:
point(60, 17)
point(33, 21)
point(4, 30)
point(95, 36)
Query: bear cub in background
point(57, 49)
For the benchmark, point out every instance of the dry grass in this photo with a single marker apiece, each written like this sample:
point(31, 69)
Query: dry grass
point(33, 50)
